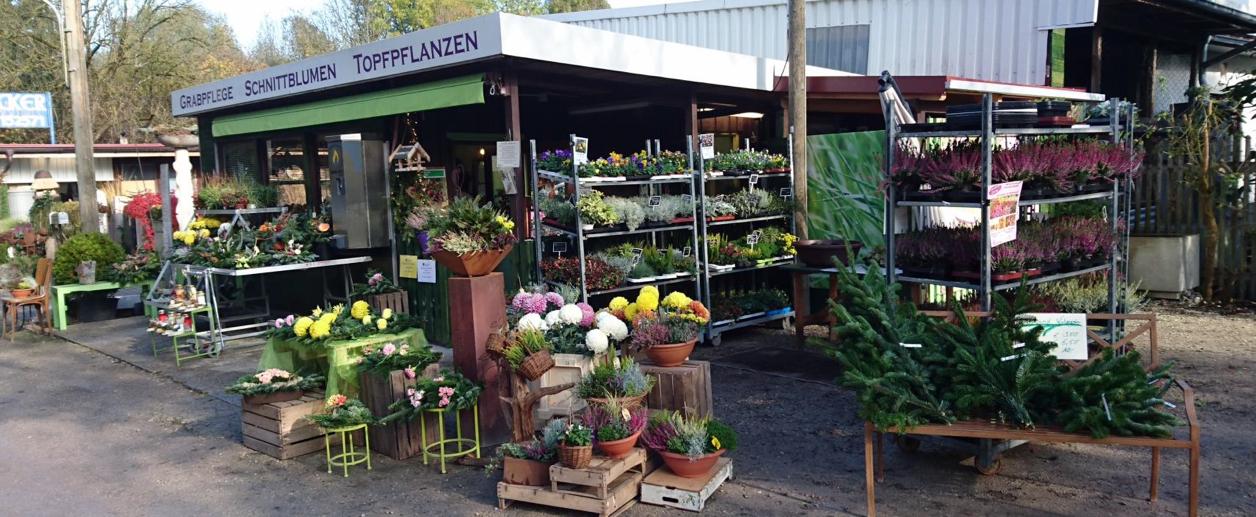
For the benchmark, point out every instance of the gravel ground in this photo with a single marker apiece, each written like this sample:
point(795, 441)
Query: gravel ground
point(84, 432)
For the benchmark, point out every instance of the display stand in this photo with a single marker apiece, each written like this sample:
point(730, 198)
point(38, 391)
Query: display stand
point(582, 238)
point(606, 487)
point(477, 302)
point(397, 440)
point(664, 488)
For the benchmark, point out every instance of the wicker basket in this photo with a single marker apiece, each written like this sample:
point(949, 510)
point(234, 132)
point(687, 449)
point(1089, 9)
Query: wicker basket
point(536, 365)
point(576, 457)
point(495, 345)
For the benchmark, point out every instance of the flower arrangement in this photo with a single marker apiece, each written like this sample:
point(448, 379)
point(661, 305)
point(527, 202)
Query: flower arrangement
point(376, 283)
point(341, 411)
point(692, 437)
point(145, 207)
point(338, 322)
point(612, 421)
point(448, 391)
point(274, 380)
point(544, 449)
point(390, 357)
point(614, 379)
point(465, 227)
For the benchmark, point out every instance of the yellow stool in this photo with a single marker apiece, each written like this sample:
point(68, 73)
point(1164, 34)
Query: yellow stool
point(348, 455)
point(465, 445)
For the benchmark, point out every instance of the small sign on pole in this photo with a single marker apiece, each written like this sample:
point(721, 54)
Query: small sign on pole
point(560, 248)
point(1004, 211)
point(706, 143)
point(579, 150)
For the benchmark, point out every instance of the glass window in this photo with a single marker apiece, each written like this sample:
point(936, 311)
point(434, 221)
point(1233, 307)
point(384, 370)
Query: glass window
point(240, 158)
point(286, 171)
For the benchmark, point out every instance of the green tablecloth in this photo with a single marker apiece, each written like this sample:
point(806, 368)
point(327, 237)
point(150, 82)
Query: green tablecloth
point(337, 358)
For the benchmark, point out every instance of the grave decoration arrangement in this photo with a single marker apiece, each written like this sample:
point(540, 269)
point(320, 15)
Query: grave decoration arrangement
point(341, 411)
point(689, 447)
point(289, 238)
point(390, 357)
point(274, 385)
point(449, 391)
point(995, 369)
point(338, 323)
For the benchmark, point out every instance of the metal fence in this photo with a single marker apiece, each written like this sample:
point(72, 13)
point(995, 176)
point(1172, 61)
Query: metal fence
point(1163, 202)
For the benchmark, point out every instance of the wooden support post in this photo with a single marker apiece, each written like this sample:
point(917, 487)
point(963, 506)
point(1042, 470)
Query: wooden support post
point(514, 131)
point(1096, 58)
point(477, 305)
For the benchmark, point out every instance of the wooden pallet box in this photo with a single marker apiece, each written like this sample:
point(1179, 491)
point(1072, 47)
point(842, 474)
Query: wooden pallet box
point(397, 440)
point(399, 302)
point(664, 488)
point(606, 487)
point(685, 388)
point(280, 429)
point(567, 368)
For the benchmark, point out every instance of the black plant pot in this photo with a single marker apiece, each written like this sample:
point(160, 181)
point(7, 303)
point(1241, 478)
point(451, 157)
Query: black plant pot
point(96, 306)
point(1050, 267)
point(323, 250)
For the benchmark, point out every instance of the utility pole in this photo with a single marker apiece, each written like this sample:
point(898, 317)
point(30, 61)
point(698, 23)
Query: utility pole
point(798, 109)
point(80, 103)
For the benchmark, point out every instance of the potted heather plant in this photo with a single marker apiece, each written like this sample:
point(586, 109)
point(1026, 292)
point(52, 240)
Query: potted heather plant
point(669, 334)
point(690, 447)
point(615, 426)
point(527, 463)
point(274, 385)
point(469, 238)
point(575, 448)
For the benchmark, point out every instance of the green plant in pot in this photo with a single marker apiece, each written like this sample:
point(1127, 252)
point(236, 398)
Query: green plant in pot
point(690, 447)
point(84, 247)
point(575, 450)
point(24, 287)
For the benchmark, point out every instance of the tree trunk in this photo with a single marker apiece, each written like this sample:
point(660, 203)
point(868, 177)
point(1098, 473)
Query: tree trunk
point(1207, 212)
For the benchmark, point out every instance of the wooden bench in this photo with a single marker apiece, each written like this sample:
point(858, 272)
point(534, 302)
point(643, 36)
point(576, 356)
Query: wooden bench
point(874, 463)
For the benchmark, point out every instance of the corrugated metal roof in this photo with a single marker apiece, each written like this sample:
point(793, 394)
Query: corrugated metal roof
point(993, 40)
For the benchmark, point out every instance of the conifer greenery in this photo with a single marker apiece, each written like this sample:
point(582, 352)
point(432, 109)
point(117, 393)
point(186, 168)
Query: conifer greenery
point(909, 369)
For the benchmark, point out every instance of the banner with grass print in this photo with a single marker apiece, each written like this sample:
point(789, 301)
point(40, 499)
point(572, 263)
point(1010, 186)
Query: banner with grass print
point(844, 198)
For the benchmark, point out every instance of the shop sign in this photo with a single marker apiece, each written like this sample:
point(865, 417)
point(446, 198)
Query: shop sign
point(26, 110)
point(439, 46)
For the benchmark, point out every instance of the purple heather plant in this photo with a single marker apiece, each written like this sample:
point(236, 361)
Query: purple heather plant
point(957, 167)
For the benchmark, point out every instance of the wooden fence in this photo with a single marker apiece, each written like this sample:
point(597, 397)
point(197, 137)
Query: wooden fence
point(1163, 202)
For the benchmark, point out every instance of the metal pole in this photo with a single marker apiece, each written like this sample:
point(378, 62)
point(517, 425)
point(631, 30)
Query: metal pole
point(163, 227)
point(537, 241)
point(80, 102)
point(891, 139)
point(798, 108)
point(701, 258)
point(1114, 250)
point(579, 230)
point(987, 146)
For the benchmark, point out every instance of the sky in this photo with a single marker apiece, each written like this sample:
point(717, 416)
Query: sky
point(245, 16)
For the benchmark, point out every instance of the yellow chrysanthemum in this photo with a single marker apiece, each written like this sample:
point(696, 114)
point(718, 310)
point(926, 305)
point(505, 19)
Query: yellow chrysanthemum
point(318, 311)
point(648, 299)
point(381, 324)
point(302, 326)
point(676, 300)
point(203, 233)
point(366, 320)
point(630, 311)
point(618, 303)
point(320, 329)
point(715, 442)
point(387, 314)
point(360, 310)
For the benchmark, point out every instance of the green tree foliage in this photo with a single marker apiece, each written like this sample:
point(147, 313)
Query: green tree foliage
point(571, 6)
point(909, 369)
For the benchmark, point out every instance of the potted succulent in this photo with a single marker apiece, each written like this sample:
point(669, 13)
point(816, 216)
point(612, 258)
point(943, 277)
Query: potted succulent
point(274, 385)
point(689, 447)
point(528, 352)
point(575, 448)
point(527, 463)
point(616, 427)
point(669, 334)
point(469, 238)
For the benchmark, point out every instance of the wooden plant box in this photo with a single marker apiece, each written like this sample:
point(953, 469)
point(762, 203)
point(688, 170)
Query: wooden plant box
point(567, 368)
point(664, 488)
point(399, 302)
point(685, 388)
point(397, 440)
point(606, 487)
point(280, 429)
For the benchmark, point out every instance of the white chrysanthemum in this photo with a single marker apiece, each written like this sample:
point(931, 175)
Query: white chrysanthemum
point(532, 322)
point(571, 314)
point(596, 341)
point(613, 328)
point(553, 318)
point(601, 315)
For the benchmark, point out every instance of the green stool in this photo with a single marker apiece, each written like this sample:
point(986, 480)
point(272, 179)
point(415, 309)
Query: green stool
point(465, 446)
point(348, 456)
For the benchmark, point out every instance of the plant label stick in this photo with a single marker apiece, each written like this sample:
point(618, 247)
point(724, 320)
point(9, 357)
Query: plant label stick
point(560, 248)
point(686, 199)
point(754, 180)
point(656, 201)
point(787, 192)
point(685, 252)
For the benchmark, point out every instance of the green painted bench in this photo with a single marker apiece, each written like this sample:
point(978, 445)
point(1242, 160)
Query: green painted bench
point(59, 292)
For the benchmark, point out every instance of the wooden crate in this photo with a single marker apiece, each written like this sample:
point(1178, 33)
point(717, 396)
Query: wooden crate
point(397, 440)
point(664, 488)
point(606, 487)
point(399, 302)
point(280, 429)
point(567, 368)
point(685, 388)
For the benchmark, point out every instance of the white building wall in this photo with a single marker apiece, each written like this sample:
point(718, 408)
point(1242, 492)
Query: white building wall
point(995, 40)
point(62, 169)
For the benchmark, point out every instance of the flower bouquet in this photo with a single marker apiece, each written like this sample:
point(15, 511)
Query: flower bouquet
point(340, 412)
point(274, 385)
point(390, 357)
point(449, 391)
point(616, 426)
point(689, 446)
point(469, 238)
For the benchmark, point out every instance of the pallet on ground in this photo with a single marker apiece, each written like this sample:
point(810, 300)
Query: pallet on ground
point(280, 429)
point(606, 487)
point(397, 440)
point(664, 488)
point(685, 388)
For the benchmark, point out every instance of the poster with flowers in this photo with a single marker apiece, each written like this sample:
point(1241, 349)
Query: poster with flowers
point(1004, 200)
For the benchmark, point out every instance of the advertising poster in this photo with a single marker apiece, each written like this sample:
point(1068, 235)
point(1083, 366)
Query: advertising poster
point(1004, 198)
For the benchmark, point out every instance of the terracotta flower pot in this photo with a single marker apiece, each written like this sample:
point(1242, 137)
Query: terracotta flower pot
point(670, 355)
point(619, 448)
point(685, 467)
point(21, 293)
point(278, 396)
point(519, 471)
point(472, 264)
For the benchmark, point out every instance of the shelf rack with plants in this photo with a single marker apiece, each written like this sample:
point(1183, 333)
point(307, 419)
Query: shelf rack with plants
point(901, 165)
point(596, 224)
point(739, 295)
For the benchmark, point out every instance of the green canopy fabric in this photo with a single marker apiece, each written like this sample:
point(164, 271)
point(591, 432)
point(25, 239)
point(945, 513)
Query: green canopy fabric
point(458, 91)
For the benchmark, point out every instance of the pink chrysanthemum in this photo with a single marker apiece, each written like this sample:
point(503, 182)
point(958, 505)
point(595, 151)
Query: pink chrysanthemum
point(555, 299)
point(588, 315)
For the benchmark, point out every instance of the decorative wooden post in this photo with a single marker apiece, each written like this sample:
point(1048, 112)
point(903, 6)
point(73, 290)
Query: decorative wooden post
point(477, 309)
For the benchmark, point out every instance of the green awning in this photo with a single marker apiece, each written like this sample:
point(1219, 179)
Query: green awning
point(458, 91)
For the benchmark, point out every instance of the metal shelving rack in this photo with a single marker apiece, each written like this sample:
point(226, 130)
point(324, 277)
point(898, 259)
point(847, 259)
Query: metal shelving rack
point(712, 333)
point(648, 187)
point(987, 134)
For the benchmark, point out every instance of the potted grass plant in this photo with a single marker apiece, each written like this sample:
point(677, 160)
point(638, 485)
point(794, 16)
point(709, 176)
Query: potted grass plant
point(690, 447)
point(528, 353)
